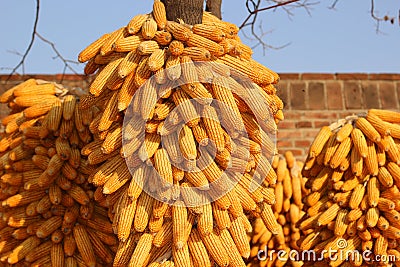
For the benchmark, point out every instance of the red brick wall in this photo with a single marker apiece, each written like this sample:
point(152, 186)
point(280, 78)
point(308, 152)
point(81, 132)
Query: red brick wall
point(311, 100)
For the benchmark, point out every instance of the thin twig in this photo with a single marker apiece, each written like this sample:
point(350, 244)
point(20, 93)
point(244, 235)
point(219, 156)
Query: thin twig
point(373, 14)
point(255, 11)
point(58, 55)
point(31, 42)
point(333, 6)
point(35, 33)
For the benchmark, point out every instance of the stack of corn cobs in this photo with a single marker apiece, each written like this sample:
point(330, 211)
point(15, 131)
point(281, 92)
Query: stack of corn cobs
point(288, 209)
point(354, 202)
point(48, 216)
point(182, 140)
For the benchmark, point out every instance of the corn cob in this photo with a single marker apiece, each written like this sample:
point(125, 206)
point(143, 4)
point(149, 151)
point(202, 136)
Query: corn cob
point(209, 32)
point(93, 49)
point(136, 23)
point(179, 31)
point(163, 37)
point(216, 249)
point(371, 214)
point(176, 48)
point(159, 14)
point(149, 28)
point(109, 119)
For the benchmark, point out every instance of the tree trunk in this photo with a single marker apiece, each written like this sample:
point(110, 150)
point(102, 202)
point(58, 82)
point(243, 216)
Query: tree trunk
point(190, 11)
point(214, 6)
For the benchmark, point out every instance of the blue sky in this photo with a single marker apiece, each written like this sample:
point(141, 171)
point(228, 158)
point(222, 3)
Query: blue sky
point(341, 40)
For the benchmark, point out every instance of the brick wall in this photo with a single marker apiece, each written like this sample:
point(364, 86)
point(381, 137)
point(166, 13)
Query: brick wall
point(311, 100)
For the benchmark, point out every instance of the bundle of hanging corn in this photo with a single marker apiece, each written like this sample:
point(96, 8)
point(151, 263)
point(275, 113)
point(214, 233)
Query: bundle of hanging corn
point(288, 209)
point(48, 216)
point(166, 91)
point(354, 201)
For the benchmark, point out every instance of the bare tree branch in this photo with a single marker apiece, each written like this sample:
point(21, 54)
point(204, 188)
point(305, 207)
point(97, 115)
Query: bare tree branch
point(35, 33)
point(380, 19)
point(254, 8)
point(21, 62)
point(333, 6)
point(58, 55)
point(374, 15)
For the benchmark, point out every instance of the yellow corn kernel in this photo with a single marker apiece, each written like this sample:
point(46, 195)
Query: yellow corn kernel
point(382, 127)
point(198, 250)
point(200, 41)
point(160, 16)
point(239, 236)
point(209, 31)
point(320, 141)
point(149, 28)
point(173, 67)
point(369, 131)
point(344, 132)
point(104, 60)
point(269, 220)
point(92, 49)
point(21, 250)
point(163, 38)
point(371, 161)
point(135, 24)
point(356, 162)
point(394, 171)
point(372, 217)
point(91, 67)
point(386, 115)
point(176, 48)
point(31, 100)
point(229, 109)
point(142, 250)
point(120, 177)
point(127, 44)
point(357, 196)
point(107, 46)
point(163, 166)
point(156, 60)
point(197, 53)
point(373, 192)
point(179, 222)
point(328, 215)
point(49, 226)
point(381, 156)
point(181, 255)
point(84, 245)
point(147, 47)
point(341, 153)
point(215, 248)
point(393, 150)
point(360, 142)
point(39, 89)
point(186, 108)
point(187, 143)
point(143, 212)
point(143, 73)
point(213, 127)
point(245, 68)
point(179, 31)
point(110, 113)
point(99, 83)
